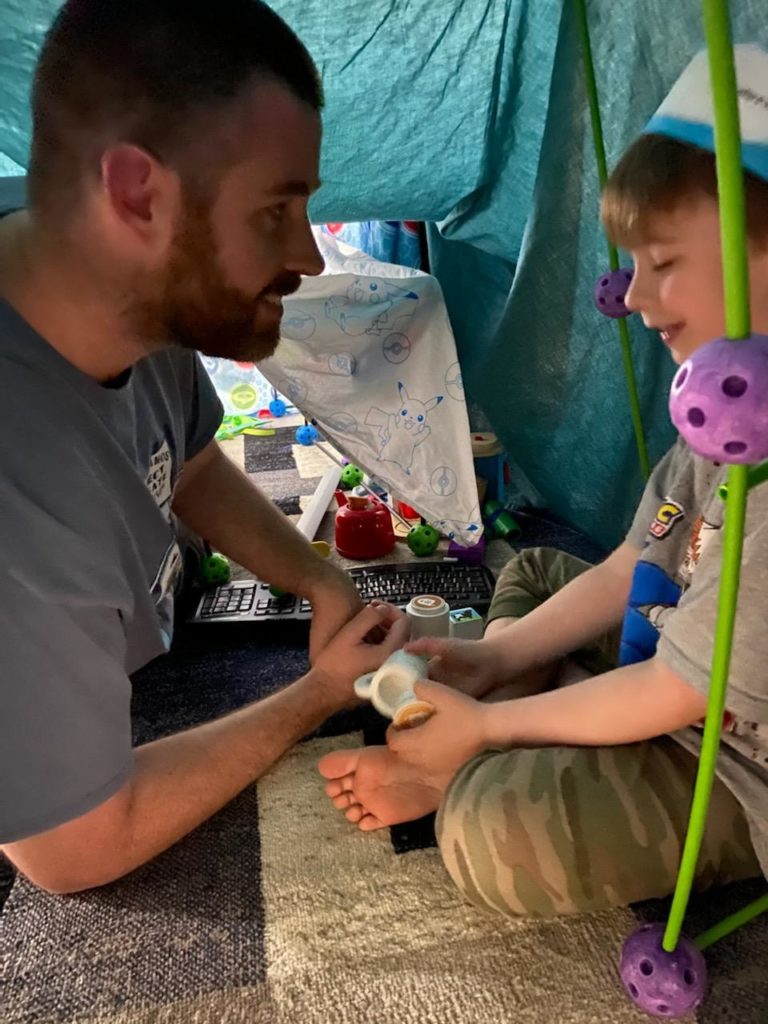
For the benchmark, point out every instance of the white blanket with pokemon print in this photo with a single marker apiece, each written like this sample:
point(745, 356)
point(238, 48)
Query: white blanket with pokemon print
point(367, 353)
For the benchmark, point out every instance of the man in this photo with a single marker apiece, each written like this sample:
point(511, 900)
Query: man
point(175, 145)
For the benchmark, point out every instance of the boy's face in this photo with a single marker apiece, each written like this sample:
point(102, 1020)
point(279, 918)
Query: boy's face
point(678, 281)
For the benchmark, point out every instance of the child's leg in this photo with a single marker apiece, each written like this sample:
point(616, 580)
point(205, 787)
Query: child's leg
point(569, 829)
point(529, 579)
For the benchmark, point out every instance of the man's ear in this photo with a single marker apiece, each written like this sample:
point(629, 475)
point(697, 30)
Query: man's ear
point(138, 189)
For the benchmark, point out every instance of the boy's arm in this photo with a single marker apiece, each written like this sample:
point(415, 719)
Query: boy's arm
point(624, 706)
point(630, 704)
point(583, 610)
point(579, 613)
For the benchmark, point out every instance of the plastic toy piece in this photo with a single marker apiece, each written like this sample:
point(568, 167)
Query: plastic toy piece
point(472, 556)
point(466, 624)
point(499, 522)
point(232, 426)
point(278, 408)
point(423, 540)
point(410, 715)
point(666, 985)
point(214, 570)
point(406, 511)
point(307, 435)
point(610, 293)
point(719, 400)
point(351, 476)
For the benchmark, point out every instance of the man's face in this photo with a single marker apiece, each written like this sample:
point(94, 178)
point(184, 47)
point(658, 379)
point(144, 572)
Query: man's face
point(678, 279)
point(233, 258)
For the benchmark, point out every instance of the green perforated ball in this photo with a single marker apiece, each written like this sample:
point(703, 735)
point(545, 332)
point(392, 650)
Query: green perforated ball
point(423, 540)
point(351, 477)
point(214, 570)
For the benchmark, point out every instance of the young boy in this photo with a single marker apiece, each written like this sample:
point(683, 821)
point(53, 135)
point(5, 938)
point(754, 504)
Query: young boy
point(566, 798)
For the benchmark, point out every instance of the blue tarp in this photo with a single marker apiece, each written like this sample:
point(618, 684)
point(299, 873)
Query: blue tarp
point(472, 114)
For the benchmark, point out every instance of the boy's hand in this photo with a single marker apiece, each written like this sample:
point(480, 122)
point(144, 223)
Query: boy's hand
point(473, 666)
point(363, 645)
point(449, 738)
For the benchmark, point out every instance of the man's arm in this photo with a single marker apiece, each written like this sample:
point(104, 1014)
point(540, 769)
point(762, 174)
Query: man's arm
point(180, 781)
point(220, 503)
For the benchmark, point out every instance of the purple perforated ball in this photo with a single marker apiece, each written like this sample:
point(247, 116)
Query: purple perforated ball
point(719, 400)
point(666, 985)
point(611, 291)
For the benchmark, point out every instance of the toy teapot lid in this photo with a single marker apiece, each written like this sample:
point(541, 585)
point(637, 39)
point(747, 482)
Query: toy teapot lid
point(358, 503)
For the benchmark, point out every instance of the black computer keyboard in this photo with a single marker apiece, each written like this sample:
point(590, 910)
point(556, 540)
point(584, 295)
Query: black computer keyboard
point(462, 586)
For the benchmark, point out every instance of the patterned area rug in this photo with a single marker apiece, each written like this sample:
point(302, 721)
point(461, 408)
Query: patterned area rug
point(277, 911)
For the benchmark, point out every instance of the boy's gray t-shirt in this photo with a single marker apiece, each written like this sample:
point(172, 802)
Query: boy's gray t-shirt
point(673, 603)
point(89, 562)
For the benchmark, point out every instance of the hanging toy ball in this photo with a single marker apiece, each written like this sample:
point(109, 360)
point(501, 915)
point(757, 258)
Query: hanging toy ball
point(351, 477)
point(214, 570)
point(423, 540)
point(663, 984)
point(307, 435)
point(610, 291)
point(278, 408)
point(719, 400)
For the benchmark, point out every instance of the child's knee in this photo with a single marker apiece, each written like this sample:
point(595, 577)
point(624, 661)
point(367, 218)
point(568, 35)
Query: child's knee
point(495, 841)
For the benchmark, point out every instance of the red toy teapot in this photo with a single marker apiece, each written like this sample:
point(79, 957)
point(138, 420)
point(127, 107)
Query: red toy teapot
point(363, 527)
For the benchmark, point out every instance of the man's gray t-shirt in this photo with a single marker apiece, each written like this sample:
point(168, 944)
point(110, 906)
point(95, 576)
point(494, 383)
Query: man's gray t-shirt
point(673, 604)
point(89, 562)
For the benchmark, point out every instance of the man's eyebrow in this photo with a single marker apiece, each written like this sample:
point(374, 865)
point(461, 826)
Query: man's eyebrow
point(293, 188)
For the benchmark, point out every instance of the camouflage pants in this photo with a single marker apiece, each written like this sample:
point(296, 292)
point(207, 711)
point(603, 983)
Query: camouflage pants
point(563, 830)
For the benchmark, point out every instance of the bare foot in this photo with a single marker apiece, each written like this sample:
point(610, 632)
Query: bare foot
point(376, 789)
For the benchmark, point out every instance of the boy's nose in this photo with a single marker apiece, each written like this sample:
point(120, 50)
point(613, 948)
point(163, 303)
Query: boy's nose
point(632, 299)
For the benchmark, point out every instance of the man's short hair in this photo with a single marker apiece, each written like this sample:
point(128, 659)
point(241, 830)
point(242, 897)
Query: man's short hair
point(657, 175)
point(155, 73)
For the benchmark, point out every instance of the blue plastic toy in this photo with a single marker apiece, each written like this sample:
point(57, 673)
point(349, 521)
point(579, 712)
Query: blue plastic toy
point(307, 435)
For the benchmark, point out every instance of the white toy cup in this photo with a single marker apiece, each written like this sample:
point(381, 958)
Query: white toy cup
point(390, 689)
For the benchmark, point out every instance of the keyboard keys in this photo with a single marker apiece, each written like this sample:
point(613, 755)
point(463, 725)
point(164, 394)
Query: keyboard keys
point(461, 585)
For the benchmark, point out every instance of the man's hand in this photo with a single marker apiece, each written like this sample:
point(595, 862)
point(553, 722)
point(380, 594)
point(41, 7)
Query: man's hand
point(335, 601)
point(363, 645)
point(449, 738)
point(473, 666)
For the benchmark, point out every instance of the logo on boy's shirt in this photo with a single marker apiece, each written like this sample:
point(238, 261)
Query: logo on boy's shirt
point(669, 513)
point(701, 534)
point(160, 477)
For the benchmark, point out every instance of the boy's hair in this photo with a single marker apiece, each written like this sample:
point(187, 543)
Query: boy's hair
point(156, 73)
point(658, 174)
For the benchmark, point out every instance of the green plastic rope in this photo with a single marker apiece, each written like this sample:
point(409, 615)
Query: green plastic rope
point(736, 283)
point(613, 256)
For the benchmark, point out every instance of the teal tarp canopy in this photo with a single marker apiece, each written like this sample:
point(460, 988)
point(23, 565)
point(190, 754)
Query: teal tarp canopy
point(472, 114)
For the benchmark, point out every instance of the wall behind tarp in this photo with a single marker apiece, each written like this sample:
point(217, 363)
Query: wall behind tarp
point(472, 114)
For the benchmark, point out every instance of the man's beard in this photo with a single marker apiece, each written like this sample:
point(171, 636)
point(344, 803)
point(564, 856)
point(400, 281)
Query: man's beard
point(198, 310)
